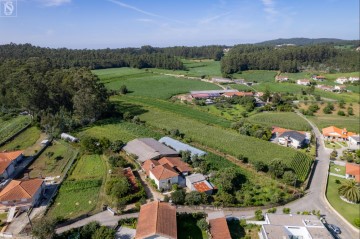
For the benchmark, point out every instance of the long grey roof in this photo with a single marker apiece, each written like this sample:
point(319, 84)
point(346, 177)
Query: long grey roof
point(356, 138)
point(148, 148)
point(179, 146)
point(294, 135)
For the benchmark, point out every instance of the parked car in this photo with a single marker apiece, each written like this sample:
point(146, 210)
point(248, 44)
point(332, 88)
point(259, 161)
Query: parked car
point(335, 228)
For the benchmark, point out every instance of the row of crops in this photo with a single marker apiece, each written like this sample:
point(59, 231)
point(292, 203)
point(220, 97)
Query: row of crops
point(301, 164)
point(11, 126)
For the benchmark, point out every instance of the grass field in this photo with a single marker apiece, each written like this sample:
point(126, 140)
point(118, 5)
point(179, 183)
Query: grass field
point(118, 130)
point(257, 76)
point(288, 120)
point(52, 165)
point(337, 169)
point(23, 140)
point(347, 210)
point(10, 127)
point(279, 87)
point(141, 83)
point(350, 123)
point(79, 193)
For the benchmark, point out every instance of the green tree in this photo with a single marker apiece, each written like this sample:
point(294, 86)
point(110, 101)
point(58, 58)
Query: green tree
point(289, 178)
point(116, 146)
point(104, 233)
point(117, 187)
point(229, 179)
point(277, 168)
point(123, 90)
point(193, 198)
point(260, 166)
point(89, 229)
point(178, 197)
point(44, 229)
point(258, 215)
point(350, 190)
point(202, 224)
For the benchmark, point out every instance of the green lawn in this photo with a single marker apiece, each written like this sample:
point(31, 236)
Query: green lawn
point(187, 228)
point(23, 140)
point(52, 165)
point(11, 126)
point(279, 87)
point(88, 166)
point(331, 145)
point(347, 210)
point(337, 169)
point(142, 83)
point(288, 120)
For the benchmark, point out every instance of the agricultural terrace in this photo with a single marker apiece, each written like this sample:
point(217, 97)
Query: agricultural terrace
point(9, 127)
point(258, 76)
point(79, 193)
point(347, 210)
point(288, 120)
point(23, 140)
point(115, 129)
point(227, 141)
point(141, 83)
point(53, 161)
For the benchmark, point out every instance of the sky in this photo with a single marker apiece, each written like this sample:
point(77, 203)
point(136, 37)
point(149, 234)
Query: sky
point(133, 23)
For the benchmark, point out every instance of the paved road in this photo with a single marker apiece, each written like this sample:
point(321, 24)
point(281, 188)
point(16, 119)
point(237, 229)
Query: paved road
point(313, 200)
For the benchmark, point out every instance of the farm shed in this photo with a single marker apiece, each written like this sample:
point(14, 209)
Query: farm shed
point(179, 146)
point(148, 148)
point(197, 182)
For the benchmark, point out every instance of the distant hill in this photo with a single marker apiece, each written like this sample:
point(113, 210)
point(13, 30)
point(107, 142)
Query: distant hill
point(310, 41)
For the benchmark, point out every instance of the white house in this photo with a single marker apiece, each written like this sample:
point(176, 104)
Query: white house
point(164, 176)
point(352, 171)
point(8, 161)
point(68, 137)
point(281, 78)
point(354, 140)
point(340, 88)
point(341, 80)
point(293, 139)
point(303, 82)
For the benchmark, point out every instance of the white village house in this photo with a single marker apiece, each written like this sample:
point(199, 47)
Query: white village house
point(303, 82)
point(68, 137)
point(341, 80)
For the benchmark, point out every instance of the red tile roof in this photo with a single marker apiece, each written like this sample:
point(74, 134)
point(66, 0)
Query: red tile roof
point(176, 162)
point(202, 186)
point(353, 169)
point(157, 218)
point(219, 229)
point(149, 164)
point(231, 94)
point(280, 130)
point(17, 190)
point(7, 157)
point(131, 177)
point(336, 132)
point(165, 171)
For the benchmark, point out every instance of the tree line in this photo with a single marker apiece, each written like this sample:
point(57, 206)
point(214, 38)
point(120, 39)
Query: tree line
point(289, 59)
point(58, 99)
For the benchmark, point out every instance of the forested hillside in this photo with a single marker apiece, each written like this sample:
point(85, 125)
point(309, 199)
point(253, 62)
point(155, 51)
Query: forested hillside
point(289, 59)
point(300, 41)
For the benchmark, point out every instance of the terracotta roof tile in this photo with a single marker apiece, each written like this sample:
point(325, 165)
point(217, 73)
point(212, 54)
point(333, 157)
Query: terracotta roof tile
point(202, 186)
point(17, 190)
point(131, 177)
point(6, 158)
point(149, 164)
point(353, 169)
point(231, 94)
point(165, 171)
point(157, 218)
point(336, 132)
point(219, 229)
point(176, 162)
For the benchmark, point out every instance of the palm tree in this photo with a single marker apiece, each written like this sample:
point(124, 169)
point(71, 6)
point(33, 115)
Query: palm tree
point(350, 190)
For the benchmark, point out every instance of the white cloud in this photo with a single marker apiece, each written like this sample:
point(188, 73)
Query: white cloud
point(213, 18)
point(54, 3)
point(269, 8)
point(144, 20)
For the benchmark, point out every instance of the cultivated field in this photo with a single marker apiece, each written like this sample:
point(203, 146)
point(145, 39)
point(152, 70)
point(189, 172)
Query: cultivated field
point(288, 120)
point(53, 161)
point(11, 126)
point(257, 76)
point(141, 83)
point(23, 140)
point(79, 193)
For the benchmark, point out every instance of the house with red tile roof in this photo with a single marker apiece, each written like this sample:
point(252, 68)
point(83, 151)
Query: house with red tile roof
point(8, 160)
point(303, 82)
point(157, 220)
point(166, 171)
point(218, 225)
point(21, 194)
point(334, 133)
point(239, 94)
point(352, 171)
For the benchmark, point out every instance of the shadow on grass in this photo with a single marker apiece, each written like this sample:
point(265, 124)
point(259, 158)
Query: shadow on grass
point(187, 228)
point(236, 230)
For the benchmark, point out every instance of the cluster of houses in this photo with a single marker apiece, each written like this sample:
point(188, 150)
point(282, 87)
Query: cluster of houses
point(17, 194)
point(161, 163)
point(291, 138)
point(344, 80)
point(212, 94)
point(336, 88)
point(158, 220)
